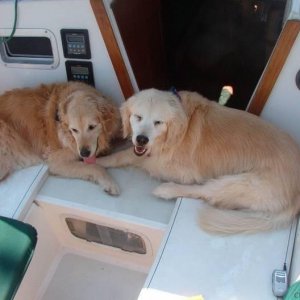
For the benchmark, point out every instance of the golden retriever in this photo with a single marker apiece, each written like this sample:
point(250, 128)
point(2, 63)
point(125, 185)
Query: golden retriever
point(246, 169)
point(65, 124)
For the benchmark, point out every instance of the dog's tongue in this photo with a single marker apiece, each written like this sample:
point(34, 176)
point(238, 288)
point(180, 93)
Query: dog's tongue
point(139, 150)
point(90, 160)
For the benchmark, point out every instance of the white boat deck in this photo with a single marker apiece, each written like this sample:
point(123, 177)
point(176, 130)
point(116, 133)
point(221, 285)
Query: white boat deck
point(192, 262)
point(189, 263)
point(19, 189)
point(135, 202)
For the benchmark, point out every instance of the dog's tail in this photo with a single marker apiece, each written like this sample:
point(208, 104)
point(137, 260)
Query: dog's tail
point(224, 221)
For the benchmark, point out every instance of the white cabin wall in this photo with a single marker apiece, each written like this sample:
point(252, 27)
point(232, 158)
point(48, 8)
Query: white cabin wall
point(54, 15)
point(283, 105)
point(292, 10)
point(40, 269)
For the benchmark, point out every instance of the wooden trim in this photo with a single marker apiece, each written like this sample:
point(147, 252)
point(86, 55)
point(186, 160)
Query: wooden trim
point(112, 47)
point(276, 62)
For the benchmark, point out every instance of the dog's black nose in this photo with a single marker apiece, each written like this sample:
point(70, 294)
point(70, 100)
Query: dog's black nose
point(142, 140)
point(85, 152)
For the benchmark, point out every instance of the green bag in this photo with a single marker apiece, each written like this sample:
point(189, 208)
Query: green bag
point(293, 292)
point(17, 244)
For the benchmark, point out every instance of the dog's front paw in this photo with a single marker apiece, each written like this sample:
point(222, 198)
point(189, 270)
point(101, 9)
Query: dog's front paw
point(166, 191)
point(111, 188)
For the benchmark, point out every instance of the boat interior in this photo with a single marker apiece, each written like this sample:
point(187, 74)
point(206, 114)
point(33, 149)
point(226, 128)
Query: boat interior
point(85, 244)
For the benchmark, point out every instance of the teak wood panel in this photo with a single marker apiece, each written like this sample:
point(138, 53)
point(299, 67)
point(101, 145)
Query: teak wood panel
point(276, 62)
point(112, 47)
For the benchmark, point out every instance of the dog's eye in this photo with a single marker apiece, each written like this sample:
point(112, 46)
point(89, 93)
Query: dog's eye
point(74, 130)
point(156, 123)
point(91, 127)
point(138, 118)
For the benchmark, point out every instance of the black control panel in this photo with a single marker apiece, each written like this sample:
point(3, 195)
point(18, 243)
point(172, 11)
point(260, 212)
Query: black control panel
point(80, 71)
point(76, 43)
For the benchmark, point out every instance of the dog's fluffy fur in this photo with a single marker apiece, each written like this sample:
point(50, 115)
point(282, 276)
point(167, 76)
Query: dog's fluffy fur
point(246, 169)
point(59, 124)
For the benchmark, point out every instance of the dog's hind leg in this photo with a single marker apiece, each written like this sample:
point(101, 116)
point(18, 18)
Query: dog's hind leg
point(239, 203)
point(242, 191)
point(15, 153)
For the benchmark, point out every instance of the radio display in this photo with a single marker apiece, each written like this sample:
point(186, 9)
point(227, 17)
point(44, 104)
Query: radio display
point(75, 38)
point(79, 70)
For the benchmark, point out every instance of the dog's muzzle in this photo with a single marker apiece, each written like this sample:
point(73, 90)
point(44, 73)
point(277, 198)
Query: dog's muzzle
point(85, 153)
point(141, 142)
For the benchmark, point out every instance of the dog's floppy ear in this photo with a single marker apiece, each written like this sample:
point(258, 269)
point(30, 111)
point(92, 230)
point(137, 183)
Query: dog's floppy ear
point(62, 109)
point(125, 115)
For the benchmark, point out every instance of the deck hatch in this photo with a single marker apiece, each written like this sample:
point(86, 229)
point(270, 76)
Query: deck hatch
point(122, 239)
point(29, 46)
point(36, 50)
point(29, 49)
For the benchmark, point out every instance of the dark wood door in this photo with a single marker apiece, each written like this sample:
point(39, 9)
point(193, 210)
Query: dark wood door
point(140, 26)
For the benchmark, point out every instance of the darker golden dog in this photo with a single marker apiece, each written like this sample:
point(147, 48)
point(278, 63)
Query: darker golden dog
point(67, 125)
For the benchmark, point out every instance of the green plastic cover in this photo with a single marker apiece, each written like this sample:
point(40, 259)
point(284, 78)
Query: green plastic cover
point(17, 244)
point(293, 292)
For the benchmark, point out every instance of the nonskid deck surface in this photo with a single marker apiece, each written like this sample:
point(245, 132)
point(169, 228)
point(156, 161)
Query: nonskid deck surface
point(135, 200)
point(78, 278)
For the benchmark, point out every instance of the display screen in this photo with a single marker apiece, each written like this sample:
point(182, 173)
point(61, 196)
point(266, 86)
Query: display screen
point(79, 70)
point(75, 43)
point(75, 38)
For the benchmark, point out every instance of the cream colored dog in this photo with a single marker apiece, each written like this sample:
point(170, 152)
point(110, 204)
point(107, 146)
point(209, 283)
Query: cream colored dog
point(246, 169)
point(60, 124)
